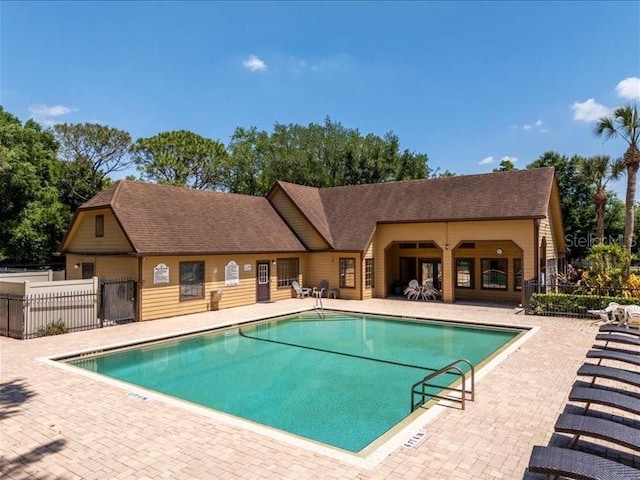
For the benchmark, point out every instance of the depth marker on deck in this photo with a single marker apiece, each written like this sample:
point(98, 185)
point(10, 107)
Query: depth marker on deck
point(139, 396)
point(416, 438)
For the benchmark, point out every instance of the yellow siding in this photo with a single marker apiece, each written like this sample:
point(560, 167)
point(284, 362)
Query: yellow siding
point(309, 236)
point(326, 266)
point(104, 266)
point(159, 301)
point(447, 235)
point(367, 292)
point(82, 238)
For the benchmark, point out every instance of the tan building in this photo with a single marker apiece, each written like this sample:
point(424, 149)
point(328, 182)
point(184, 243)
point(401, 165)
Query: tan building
point(474, 237)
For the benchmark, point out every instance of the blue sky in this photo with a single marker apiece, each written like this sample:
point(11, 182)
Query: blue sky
point(467, 83)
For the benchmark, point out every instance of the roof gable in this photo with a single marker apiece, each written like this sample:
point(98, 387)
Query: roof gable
point(162, 219)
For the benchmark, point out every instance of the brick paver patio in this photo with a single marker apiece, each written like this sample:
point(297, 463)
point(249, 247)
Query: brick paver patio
point(56, 424)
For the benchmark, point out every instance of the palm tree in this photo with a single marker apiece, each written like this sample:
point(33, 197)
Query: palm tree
point(598, 171)
point(624, 123)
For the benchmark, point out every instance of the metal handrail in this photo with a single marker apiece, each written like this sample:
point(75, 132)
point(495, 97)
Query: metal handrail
point(319, 306)
point(451, 368)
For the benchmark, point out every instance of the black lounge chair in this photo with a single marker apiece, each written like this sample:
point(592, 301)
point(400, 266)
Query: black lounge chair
point(610, 373)
point(606, 397)
point(635, 332)
point(617, 338)
point(600, 428)
point(576, 464)
point(626, 356)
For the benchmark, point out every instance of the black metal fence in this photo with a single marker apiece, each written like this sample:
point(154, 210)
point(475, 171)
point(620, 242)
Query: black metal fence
point(37, 315)
point(559, 299)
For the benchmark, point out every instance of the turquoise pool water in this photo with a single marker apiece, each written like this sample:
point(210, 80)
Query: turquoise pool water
point(342, 381)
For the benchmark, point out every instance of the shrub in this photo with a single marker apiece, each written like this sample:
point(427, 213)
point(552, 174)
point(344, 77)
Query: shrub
point(53, 328)
point(570, 304)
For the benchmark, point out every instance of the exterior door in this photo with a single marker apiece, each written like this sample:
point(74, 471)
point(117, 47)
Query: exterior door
point(264, 283)
point(431, 271)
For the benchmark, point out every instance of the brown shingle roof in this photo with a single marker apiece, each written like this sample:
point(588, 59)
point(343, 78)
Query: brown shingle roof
point(351, 213)
point(166, 219)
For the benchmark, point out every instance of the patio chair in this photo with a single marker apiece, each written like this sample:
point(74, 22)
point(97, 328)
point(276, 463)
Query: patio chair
point(300, 292)
point(323, 287)
point(632, 316)
point(429, 292)
point(608, 314)
point(576, 464)
point(610, 373)
point(413, 291)
point(600, 428)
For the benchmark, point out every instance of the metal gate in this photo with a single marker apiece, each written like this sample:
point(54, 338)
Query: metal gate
point(118, 301)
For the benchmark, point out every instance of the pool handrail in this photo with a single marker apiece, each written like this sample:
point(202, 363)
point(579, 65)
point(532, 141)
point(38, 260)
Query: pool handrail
point(451, 368)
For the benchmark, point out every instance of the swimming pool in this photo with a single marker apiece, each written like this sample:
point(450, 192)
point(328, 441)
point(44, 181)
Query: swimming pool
point(343, 381)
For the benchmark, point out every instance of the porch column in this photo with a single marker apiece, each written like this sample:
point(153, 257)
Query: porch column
point(448, 272)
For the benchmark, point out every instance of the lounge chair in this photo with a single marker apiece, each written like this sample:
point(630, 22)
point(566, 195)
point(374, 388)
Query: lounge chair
point(300, 292)
point(610, 373)
point(617, 329)
point(605, 397)
point(632, 316)
point(321, 289)
point(576, 464)
point(619, 355)
point(600, 428)
point(618, 338)
point(608, 314)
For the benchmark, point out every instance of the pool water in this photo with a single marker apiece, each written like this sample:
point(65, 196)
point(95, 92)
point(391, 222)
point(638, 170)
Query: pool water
point(344, 380)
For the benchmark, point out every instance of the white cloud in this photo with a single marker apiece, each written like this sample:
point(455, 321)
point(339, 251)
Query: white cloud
point(254, 64)
point(47, 115)
point(49, 111)
point(486, 161)
point(629, 88)
point(589, 110)
point(506, 158)
point(535, 126)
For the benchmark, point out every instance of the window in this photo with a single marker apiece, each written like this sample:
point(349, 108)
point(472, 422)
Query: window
point(288, 271)
point(517, 274)
point(426, 245)
point(191, 280)
point(407, 245)
point(347, 273)
point(368, 272)
point(88, 270)
point(494, 273)
point(99, 225)
point(464, 273)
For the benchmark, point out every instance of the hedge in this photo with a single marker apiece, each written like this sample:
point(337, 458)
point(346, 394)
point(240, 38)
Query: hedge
point(570, 304)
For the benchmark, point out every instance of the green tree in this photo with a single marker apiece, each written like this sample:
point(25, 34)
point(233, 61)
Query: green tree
point(575, 202)
point(506, 165)
point(598, 171)
point(33, 217)
point(92, 152)
point(624, 123)
point(181, 158)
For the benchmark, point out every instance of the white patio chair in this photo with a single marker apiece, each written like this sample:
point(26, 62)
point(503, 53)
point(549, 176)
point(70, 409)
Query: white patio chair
point(429, 292)
point(300, 292)
point(608, 314)
point(631, 316)
point(413, 291)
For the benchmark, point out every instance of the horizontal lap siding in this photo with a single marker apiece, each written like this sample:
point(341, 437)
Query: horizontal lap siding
point(297, 221)
point(105, 266)
point(159, 301)
point(452, 233)
point(83, 236)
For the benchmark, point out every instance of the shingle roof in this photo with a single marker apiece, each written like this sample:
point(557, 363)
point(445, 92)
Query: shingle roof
point(351, 213)
point(162, 219)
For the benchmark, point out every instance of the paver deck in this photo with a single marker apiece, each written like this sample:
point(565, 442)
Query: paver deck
point(63, 425)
